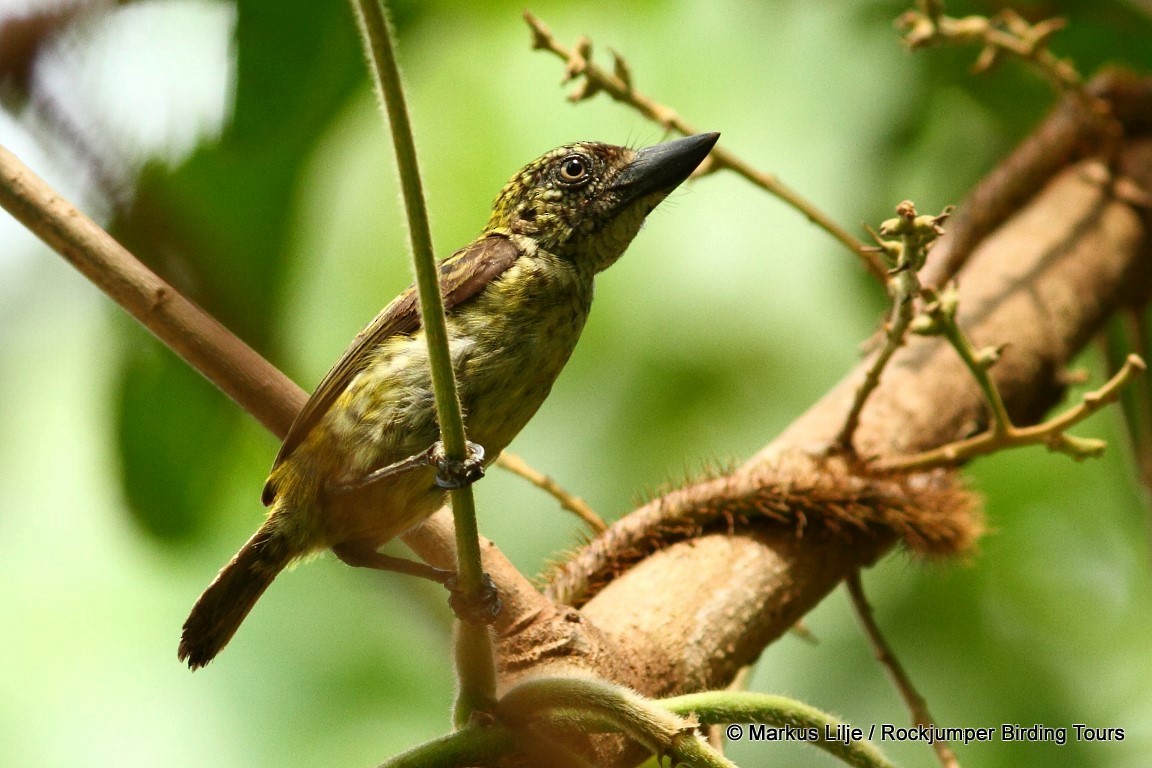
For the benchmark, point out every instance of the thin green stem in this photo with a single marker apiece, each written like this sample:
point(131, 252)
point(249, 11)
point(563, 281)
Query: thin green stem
point(905, 258)
point(476, 691)
point(1051, 433)
point(476, 671)
point(1124, 332)
point(467, 747)
point(599, 706)
point(950, 329)
point(832, 735)
point(904, 288)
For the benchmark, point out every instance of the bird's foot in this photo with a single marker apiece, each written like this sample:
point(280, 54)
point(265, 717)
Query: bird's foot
point(482, 608)
point(450, 474)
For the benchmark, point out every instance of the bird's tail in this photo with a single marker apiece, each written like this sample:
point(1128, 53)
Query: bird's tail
point(224, 605)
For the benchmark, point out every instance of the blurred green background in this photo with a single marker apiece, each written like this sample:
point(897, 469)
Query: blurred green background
point(238, 149)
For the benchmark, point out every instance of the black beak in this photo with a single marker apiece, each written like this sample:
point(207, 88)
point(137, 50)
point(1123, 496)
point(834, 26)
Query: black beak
point(663, 167)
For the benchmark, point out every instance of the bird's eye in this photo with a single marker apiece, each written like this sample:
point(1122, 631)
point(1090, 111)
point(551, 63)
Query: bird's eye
point(574, 169)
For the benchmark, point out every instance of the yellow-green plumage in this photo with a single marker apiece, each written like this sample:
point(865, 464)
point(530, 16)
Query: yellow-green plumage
point(516, 299)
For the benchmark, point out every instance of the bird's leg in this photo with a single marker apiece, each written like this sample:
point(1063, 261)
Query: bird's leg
point(365, 556)
point(483, 610)
point(449, 474)
point(483, 607)
point(423, 459)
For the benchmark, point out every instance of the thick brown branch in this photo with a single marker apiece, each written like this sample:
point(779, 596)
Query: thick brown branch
point(1069, 133)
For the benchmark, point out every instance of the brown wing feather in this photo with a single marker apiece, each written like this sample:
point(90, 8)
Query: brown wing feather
point(462, 275)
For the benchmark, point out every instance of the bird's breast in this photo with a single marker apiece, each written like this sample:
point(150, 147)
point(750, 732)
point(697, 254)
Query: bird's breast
point(520, 333)
point(508, 345)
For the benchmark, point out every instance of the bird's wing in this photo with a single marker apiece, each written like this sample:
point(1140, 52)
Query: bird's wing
point(462, 275)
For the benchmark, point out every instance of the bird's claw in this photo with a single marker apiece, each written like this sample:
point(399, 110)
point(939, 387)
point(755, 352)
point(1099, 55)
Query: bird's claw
point(480, 609)
point(450, 474)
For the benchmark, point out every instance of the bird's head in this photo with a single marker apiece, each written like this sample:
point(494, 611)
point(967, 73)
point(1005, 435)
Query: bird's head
point(587, 201)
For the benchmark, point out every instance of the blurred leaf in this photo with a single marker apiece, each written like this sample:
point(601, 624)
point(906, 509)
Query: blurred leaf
point(174, 437)
point(217, 227)
point(1129, 333)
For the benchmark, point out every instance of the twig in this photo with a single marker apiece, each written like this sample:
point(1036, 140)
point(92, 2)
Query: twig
point(1002, 434)
point(903, 289)
point(905, 257)
point(574, 504)
point(478, 676)
point(941, 314)
point(206, 345)
point(1006, 33)
point(619, 86)
point(916, 703)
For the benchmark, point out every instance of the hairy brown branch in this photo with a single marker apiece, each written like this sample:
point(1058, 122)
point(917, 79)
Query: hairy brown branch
point(807, 496)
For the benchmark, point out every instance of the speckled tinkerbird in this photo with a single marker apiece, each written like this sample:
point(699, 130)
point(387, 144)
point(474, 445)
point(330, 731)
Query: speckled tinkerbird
point(516, 299)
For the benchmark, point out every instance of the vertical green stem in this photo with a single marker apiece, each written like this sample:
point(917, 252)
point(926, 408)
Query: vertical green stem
point(376, 31)
point(475, 671)
point(1001, 422)
point(903, 288)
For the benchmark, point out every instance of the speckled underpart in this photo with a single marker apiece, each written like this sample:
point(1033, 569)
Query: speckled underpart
point(508, 346)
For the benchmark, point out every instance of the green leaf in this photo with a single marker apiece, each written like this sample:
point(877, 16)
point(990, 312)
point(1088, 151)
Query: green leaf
point(174, 437)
